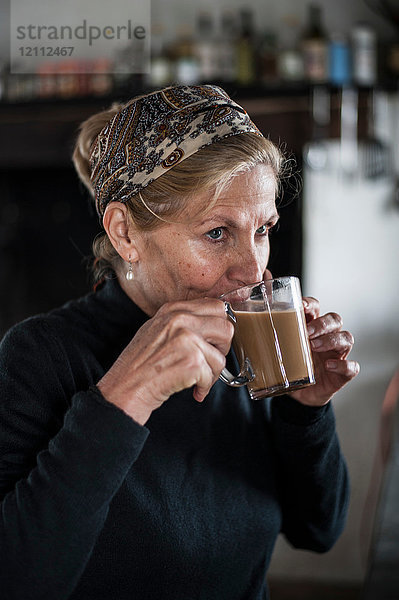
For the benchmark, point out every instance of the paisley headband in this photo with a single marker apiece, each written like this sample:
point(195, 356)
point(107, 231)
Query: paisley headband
point(156, 132)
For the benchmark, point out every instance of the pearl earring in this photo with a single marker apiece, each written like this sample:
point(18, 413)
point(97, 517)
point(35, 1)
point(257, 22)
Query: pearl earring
point(129, 273)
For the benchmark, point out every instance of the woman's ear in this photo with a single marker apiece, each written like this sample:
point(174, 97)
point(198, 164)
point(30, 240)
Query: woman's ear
point(119, 229)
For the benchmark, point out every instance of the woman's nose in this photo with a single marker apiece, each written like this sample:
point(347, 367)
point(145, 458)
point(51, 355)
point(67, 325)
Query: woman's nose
point(249, 265)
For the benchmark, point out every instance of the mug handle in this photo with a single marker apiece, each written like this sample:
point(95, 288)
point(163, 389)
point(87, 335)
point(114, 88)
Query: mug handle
point(247, 374)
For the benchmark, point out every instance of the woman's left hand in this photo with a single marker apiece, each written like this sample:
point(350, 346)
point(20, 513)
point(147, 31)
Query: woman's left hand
point(330, 348)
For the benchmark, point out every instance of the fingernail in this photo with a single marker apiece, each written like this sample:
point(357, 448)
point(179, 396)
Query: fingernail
point(305, 303)
point(316, 343)
point(331, 365)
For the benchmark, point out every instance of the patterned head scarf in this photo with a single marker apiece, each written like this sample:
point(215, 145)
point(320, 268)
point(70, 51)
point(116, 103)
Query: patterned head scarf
point(157, 132)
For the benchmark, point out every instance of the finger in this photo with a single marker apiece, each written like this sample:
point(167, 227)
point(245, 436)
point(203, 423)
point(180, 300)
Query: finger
point(340, 342)
point(214, 324)
point(214, 360)
point(215, 330)
point(220, 335)
point(200, 306)
point(209, 370)
point(311, 307)
point(267, 275)
point(331, 322)
point(202, 388)
point(348, 369)
point(188, 361)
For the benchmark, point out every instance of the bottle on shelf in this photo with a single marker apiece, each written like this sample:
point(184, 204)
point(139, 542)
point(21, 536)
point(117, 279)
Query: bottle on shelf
point(226, 48)
point(47, 81)
point(101, 79)
point(315, 47)
point(267, 58)
point(340, 72)
point(67, 79)
point(185, 62)
point(246, 64)
point(160, 68)
point(289, 56)
point(206, 48)
point(364, 53)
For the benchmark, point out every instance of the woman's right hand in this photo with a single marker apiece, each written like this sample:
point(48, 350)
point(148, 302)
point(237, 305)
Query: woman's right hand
point(183, 345)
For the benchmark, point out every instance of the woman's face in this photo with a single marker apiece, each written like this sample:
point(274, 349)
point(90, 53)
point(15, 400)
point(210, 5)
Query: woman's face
point(211, 254)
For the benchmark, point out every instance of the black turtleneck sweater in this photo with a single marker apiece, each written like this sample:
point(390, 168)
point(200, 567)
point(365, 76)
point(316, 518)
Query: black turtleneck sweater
point(94, 505)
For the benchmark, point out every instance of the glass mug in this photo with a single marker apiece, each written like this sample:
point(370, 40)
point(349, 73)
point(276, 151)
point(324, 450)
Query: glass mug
point(270, 340)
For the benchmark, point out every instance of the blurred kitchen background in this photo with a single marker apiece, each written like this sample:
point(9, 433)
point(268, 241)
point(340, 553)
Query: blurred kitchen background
point(322, 80)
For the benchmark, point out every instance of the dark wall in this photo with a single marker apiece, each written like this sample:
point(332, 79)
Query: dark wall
point(46, 229)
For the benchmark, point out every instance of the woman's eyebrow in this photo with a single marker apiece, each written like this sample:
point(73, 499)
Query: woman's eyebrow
point(218, 218)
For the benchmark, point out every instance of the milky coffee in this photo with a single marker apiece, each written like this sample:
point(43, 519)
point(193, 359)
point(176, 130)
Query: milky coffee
point(254, 338)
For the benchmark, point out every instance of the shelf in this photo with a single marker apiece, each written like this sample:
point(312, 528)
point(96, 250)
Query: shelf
point(41, 133)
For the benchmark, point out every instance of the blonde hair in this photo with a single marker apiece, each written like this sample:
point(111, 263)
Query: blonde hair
point(210, 169)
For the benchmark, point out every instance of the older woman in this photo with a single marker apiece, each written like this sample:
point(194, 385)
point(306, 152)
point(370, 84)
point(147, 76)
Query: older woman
point(128, 470)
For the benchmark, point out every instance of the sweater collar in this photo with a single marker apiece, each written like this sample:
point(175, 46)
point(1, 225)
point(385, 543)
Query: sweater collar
point(120, 308)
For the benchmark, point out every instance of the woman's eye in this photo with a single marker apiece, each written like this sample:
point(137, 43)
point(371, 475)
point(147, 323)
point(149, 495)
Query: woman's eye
point(215, 234)
point(262, 230)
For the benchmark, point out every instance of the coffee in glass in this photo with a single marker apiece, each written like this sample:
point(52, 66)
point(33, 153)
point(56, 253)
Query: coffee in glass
point(270, 341)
